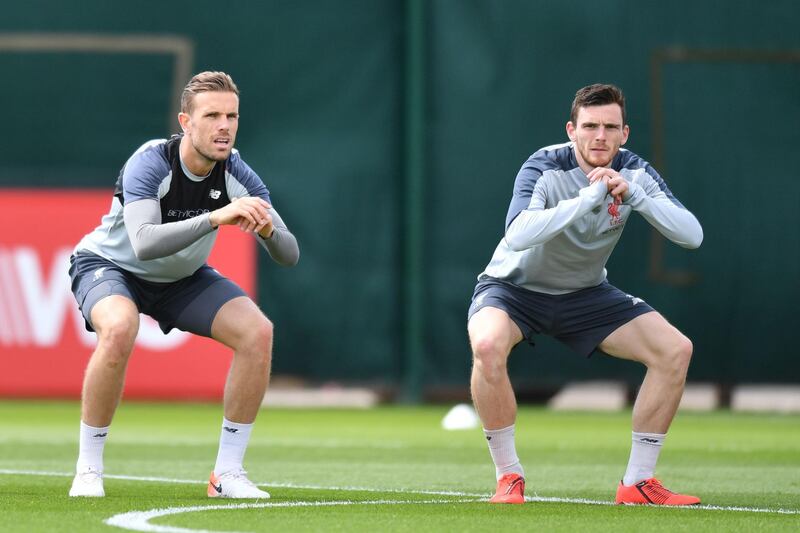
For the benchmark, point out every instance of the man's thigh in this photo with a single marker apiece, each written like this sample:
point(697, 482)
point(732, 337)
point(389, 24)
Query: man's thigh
point(587, 317)
point(236, 320)
point(115, 312)
point(94, 279)
point(192, 303)
point(643, 338)
point(528, 312)
point(494, 325)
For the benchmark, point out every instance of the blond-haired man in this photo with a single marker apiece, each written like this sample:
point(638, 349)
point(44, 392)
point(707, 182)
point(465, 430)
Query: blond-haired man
point(149, 256)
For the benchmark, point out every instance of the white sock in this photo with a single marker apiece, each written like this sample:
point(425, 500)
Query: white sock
point(645, 448)
point(232, 445)
point(503, 451)
point(90, 452)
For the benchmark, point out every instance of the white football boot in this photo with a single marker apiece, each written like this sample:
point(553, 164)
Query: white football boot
point(88, 482)
point(233, 484)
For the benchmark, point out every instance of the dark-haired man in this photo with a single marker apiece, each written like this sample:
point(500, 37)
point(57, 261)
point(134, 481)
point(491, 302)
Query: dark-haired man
point(149, 256)
point(547, 276)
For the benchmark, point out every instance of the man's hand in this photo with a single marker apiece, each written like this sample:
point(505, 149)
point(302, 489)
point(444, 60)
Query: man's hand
point(249, 213)
point(265, 231)
point(617, 185)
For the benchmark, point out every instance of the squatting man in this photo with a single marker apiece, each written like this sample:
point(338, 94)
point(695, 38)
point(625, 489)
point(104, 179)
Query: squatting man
point(548, 277)
point(148, 255)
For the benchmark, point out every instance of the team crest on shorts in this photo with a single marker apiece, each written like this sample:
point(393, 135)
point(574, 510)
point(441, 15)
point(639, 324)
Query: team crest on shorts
point(98, 273)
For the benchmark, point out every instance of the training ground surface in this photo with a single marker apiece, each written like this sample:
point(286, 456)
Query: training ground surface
point(392, 469)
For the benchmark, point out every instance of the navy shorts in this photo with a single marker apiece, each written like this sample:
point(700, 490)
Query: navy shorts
point(189, 304)
point(580, 319)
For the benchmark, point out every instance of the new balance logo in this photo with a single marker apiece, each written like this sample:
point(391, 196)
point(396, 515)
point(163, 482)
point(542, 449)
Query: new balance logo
point(101, 435)
point(98, 273)
point(478, 300)
point(635, 300)
point(230, 430)
point(645, 439)
point(214, 194)
point(488, 438)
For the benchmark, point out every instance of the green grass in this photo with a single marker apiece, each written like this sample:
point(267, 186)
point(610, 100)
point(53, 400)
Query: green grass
point(400, 456)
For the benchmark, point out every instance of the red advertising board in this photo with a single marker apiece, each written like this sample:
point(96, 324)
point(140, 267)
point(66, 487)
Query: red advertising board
point(44, 347)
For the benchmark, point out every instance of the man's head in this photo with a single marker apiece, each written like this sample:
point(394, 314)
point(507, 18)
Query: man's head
point(209, 115)
point(597, 125)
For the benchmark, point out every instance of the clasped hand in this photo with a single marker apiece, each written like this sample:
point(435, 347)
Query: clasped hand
point(617, 185)
point(250, 213)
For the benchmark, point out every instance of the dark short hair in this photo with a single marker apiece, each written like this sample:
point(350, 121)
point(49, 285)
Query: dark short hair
point(597, 94)
point(205, 82)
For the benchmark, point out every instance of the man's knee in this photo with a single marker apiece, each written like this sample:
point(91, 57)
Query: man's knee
point(263, 333)
point(683, 353)
point(115, 337)
point(256, 340)
point(490, 353)
point(676, 355)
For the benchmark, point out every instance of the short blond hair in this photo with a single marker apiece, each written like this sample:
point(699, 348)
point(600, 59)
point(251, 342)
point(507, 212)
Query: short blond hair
point(205, 82)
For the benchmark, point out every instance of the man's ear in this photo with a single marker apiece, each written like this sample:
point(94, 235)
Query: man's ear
point(571, 131)
point(626, 131)
point(183, 120)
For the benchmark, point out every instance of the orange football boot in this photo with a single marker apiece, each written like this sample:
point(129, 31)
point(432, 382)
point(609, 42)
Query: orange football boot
point(652, 492)
point(510, 489)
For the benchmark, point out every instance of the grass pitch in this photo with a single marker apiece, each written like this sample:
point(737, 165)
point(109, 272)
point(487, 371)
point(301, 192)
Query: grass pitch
point(391, 469)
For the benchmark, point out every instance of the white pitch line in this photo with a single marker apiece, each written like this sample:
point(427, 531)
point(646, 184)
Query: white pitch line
point(140, 520)
point(457, 494)
point(275, 485)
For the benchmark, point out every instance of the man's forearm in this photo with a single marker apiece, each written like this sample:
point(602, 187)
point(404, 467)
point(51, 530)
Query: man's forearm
point(151, 239)
point(532, 227)
point(674, 222)
point(280, 244)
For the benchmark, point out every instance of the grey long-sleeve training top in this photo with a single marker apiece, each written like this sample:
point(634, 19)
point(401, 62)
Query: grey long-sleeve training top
point(158, 226)
point(560, 231)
